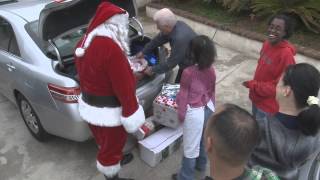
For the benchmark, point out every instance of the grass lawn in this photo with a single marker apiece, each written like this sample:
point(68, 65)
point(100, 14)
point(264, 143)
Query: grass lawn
point(302, 36)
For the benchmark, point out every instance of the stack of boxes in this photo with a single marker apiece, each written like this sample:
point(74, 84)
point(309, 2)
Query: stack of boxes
point(159, 145)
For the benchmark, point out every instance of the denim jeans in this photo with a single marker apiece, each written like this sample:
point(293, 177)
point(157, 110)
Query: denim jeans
point(258, 114)
point(189, 165)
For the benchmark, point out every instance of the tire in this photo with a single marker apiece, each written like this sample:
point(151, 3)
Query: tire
point(31, 119)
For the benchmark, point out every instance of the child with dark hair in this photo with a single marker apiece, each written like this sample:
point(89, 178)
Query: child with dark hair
point(195, 101)
point(291, 136)
point(276, 54)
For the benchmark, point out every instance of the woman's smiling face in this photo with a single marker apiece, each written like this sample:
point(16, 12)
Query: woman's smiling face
point(276, 31)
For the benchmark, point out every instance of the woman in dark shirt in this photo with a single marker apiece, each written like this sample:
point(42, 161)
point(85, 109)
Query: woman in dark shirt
point(291, 136)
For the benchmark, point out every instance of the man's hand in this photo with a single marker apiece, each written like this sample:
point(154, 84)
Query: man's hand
point(148, 71)
point(139, 55)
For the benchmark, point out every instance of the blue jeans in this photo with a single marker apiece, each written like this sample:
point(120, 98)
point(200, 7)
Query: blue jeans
point(258, 114)
point(190, 164)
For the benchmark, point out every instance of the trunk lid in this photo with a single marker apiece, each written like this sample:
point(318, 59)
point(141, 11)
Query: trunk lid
point(60, 16)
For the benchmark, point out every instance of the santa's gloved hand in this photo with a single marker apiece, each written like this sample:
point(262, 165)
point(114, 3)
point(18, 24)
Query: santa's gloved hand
point(134, 121)
point(145, 130)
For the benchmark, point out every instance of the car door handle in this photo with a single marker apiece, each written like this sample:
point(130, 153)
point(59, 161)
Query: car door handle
point(11, 67)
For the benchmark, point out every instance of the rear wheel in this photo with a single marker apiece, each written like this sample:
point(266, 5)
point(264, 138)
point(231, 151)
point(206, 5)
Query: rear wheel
point(31, 119)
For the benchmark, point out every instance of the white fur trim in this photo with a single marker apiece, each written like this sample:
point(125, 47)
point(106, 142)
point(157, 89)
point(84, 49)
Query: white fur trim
point(135, 121)
point(110, 29)
point(106, 116)
point(79, 52)
point(108, 171)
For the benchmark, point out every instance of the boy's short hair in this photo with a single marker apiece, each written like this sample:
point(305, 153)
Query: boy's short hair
point(235, 133)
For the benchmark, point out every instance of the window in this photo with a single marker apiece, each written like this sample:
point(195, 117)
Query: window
point(13, 45)
point(8, 40)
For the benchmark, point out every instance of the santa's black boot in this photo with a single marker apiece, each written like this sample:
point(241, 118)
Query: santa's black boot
point(116, 177)
point(127, 158)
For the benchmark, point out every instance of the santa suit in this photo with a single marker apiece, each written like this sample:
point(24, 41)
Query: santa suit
point(105, 74)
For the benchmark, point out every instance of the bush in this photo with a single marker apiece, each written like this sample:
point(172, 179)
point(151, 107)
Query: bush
point(233, 5)
point(308, 11)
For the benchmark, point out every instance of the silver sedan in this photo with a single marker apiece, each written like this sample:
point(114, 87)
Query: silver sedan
point(37, 71)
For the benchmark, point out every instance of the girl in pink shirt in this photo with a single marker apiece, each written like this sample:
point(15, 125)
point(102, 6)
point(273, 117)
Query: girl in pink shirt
point(195, 103)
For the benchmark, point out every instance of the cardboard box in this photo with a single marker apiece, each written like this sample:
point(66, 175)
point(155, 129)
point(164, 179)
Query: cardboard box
point(165, 106)
point(160, 145)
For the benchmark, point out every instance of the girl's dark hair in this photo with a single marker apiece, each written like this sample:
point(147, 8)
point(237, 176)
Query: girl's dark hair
point(304, 80)
point(202, 51)
point(289, 24)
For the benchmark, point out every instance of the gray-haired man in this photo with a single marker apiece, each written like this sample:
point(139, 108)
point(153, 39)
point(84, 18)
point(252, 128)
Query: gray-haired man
point(178, 34)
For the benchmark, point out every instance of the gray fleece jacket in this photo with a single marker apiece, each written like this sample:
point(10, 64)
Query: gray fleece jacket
point(282, 149)
point(179, 40)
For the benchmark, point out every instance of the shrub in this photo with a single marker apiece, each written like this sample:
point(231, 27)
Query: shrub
point(308, 11)
point(233, 5)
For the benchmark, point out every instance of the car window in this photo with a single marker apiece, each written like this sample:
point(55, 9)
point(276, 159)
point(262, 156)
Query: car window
point(13, 45)
point(5, 32)
point(8, 40)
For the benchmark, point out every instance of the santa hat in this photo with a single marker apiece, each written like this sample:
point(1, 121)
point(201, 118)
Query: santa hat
point(106, 12)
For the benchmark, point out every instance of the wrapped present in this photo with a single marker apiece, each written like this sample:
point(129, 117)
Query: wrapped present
point(137, 65)
point(170, 90)
point(165, 106)
point(167, 101)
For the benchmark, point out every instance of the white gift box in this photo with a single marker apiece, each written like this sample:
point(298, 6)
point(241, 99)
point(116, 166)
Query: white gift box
point(159, 145)
point(165, 115)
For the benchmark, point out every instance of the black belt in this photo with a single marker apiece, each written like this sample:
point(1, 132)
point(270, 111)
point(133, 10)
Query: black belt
point(100, 101)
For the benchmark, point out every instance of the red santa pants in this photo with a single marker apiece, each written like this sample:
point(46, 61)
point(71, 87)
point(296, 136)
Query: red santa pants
point(110, 141)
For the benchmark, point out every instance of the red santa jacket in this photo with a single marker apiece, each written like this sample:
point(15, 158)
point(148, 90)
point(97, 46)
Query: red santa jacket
point(272, 63)
point(105, 71)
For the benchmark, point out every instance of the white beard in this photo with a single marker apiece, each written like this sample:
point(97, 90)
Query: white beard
point(119, 33)
point(116, 28)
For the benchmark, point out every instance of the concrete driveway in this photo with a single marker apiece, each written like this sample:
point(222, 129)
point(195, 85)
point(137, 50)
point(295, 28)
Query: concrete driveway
point(24, 158)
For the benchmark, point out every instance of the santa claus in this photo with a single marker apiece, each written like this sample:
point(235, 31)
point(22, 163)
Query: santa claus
point(108, 101)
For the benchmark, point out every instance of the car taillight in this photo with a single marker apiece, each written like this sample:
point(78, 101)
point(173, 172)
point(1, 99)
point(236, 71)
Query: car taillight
point(64, 94)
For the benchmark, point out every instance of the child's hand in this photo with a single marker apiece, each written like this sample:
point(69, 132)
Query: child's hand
point(245, 84)
point(249, 84)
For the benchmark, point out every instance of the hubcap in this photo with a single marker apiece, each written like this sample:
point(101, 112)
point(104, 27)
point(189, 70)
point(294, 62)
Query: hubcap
point(29, 116)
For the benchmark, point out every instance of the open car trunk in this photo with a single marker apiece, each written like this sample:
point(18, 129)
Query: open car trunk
point(68, 69)
point(61, 26)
